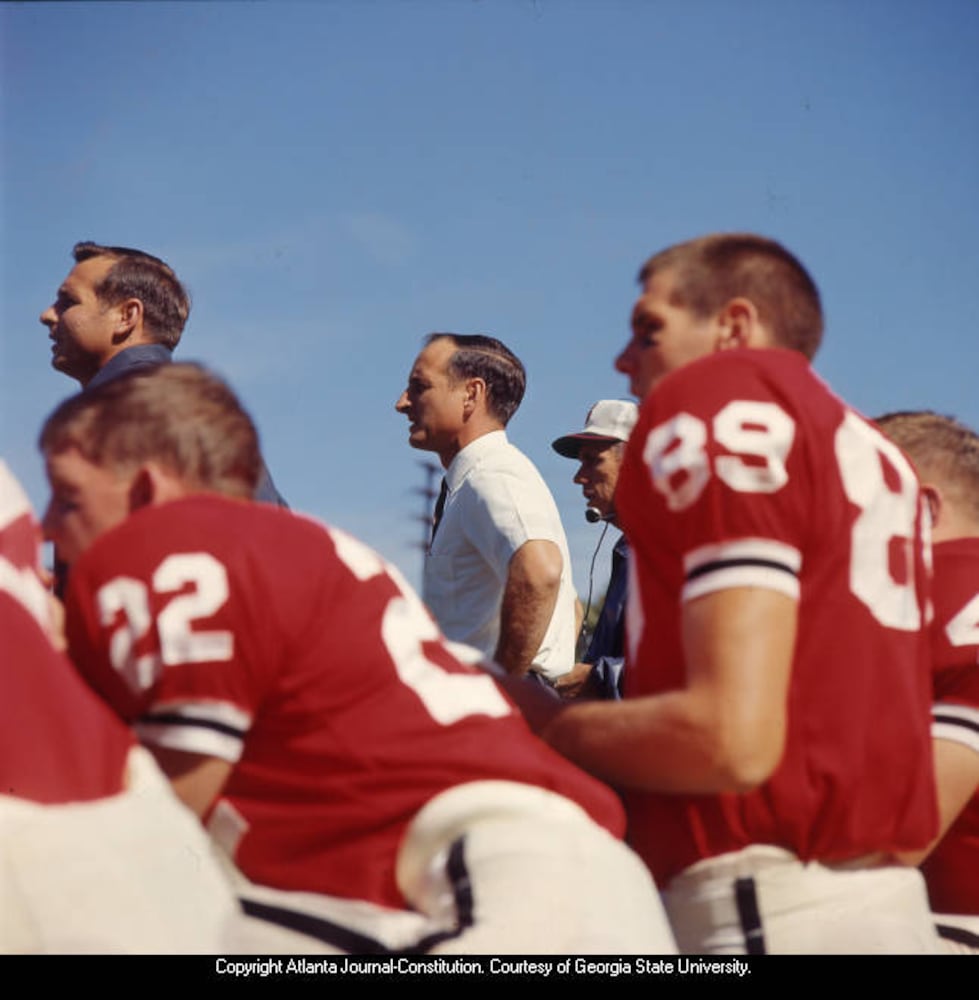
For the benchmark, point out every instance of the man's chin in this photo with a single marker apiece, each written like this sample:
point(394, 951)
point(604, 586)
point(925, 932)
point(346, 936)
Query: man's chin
point(62, 364)
point(418, 440)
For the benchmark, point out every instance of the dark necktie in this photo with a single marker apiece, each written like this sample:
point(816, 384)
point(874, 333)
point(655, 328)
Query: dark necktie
point(439, 508)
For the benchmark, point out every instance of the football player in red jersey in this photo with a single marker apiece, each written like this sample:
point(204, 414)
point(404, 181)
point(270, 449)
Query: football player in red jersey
point(96, 853)
point(946, 455)
point(370, 791)
point(773, 743)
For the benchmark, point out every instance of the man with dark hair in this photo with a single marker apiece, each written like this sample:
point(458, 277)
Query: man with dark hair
point(497, 571)
point(369, 790)
point(773, 742)
point(120, 310)
point(946, 455)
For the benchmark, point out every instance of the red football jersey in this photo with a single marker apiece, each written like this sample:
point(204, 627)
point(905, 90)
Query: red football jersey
point(58, 741)
point(746, 471)
point(952, 869)
point(246, 632)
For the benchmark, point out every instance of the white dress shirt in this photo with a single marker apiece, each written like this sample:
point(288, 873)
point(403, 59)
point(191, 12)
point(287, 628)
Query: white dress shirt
point(496, 501)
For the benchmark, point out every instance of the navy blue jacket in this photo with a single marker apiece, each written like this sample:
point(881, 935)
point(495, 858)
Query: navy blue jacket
point(606, 650)
point(149, 356)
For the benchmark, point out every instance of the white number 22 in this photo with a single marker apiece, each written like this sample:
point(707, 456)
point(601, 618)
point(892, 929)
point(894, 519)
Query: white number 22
point(179, 642)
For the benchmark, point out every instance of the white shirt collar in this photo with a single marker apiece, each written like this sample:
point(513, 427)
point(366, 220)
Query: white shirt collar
point(470, 456)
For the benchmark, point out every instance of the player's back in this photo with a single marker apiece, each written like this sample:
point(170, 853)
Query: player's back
point(745, 470)
point(291, 650)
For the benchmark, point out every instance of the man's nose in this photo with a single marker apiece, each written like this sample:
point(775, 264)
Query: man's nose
point(623, 363)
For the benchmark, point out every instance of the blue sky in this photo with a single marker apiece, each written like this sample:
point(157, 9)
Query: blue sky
point(335, 180)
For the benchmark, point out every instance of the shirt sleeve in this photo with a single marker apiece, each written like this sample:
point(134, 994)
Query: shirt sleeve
point(504, 510)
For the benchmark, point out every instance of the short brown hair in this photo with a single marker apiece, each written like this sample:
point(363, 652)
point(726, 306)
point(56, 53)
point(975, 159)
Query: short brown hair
point(710, 271)
point(139, 275)
point(179, 415)
point(479, 356)
point(943, 450)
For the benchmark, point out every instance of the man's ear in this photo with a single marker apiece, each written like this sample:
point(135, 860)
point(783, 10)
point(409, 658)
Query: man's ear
point(154, 484)
point(474, 394)
point(739, 325)
point(129, 315)
point(141, 490)
point(933, 498)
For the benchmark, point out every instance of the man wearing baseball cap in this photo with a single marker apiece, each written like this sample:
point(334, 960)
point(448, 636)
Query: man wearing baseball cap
point(599, 449)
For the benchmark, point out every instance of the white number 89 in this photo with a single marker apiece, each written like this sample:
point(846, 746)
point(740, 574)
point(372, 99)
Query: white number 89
point(758, 437)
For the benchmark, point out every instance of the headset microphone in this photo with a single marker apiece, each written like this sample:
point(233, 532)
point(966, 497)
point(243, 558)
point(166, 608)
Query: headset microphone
point(593, 515)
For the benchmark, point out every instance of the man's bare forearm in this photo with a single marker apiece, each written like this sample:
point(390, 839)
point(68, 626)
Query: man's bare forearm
point(529, 599)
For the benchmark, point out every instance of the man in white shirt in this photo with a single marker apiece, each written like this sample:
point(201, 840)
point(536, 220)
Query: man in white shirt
point(497, 572)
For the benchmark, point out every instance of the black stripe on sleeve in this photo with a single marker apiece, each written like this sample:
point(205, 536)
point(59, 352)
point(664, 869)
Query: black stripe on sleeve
point(175, 719)
point(954, 720)
point(718, 564)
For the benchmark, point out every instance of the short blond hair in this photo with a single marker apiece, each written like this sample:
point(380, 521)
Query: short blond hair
point(179, 415)
point(943, 450)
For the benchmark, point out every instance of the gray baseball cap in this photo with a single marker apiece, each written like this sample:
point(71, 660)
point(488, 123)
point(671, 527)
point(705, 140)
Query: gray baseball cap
point(608, 420)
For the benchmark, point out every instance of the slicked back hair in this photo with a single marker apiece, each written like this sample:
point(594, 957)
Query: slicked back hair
point(477, 356)
point(138, 275)
point(710, 271)
point(178, 415)
point(943, 450)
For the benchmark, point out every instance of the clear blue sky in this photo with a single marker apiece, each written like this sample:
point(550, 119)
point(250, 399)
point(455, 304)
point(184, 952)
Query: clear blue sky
point(335, 180)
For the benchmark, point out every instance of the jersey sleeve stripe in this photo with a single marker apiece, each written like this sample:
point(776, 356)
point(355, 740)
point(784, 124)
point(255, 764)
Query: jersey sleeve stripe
point(195, 736)
point(750, 562)
point(727, 577)
point(214, 728)
point(957, 724)
point(765, 549)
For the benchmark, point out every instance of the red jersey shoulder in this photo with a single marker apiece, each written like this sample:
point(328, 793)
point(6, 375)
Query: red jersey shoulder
point(258, 555)
point(737, 427)
point(717, 440)
point(219, 524)
point(707, 385)
point(202, 580)
point(732, 417)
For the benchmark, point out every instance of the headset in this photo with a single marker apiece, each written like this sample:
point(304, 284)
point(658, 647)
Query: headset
point(593, 516)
